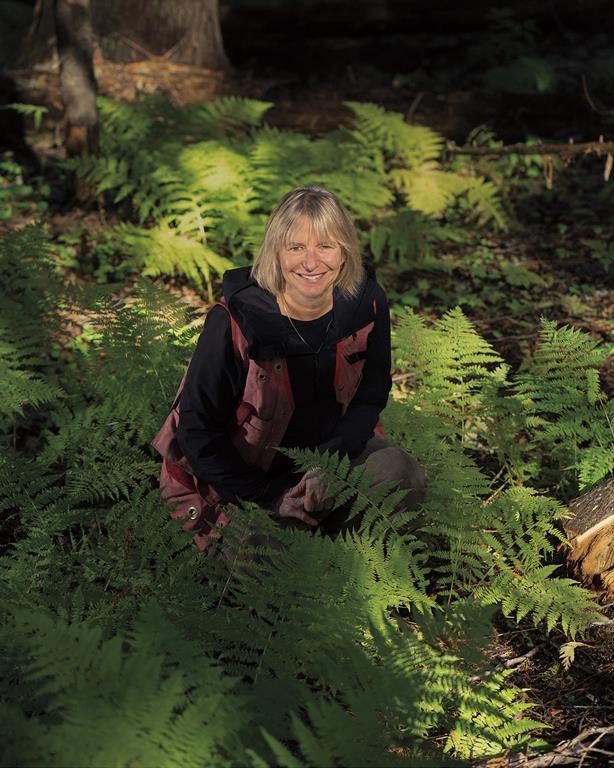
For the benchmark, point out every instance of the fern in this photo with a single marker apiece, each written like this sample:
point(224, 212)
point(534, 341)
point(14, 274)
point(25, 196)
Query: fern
point(427, 189)
point(411, 145)
point(454, 375)
point(202, 179)
point(228, 115)
point(163, 251)
point(454, 367)
point(406, 238)
point(28, 312)
point(20, 388)
point(567, 415)
point(282, 160)
point(490, 720)
point(523, 529)
point(412, 155)
point(485, 199)
point(148, 705)
point(122, 644)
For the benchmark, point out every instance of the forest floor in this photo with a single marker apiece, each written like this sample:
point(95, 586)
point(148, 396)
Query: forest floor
point(561, 246)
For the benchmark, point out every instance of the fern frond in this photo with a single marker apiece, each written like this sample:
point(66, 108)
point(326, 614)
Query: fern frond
point(566, 411)
point(407, 237)
point(413, 145)
point(229, 115)
point(162, 251)
point(485, 199)
point(490, 720)
point(20, 388)
point(427, 189)
point(281, 161)
point(108, 701)
point(454, 367)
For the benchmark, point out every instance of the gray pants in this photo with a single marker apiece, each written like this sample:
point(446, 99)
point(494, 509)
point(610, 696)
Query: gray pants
point(387, 462)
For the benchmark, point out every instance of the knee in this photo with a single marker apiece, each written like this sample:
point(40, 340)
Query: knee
point(396, 465)
point(412, 475)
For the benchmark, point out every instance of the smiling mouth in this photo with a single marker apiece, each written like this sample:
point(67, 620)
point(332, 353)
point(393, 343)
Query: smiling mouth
point(310, 278)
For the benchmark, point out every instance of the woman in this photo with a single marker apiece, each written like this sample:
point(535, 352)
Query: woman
point(298, 355)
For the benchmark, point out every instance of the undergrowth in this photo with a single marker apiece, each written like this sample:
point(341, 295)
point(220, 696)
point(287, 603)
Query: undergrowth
point(195, 184)
point(121, 644)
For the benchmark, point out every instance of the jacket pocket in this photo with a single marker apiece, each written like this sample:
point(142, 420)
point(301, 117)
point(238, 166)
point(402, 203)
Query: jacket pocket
point(253, 439)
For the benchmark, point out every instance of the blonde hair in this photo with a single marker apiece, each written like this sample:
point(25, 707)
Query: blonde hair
point(328, 218)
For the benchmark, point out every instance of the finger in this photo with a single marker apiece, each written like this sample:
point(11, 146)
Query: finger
point(299, 514)
point(296, 490)
point(307, 518)
point(312, 501)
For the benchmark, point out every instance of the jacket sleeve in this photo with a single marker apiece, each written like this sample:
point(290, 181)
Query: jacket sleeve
point(356, 426)
point(212, 390)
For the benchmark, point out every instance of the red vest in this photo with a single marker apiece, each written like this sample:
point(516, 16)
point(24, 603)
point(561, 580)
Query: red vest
point(258, 426)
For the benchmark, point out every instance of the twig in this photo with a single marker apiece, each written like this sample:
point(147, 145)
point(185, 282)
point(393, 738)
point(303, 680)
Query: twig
point(413, 107)
point(607, 623)
point(592, 746)
point(565, 150)
point(139, 48)
point(571, 752)
point(497, 491)
point(515, 662)
point(169, 54)
point(402, 377)
point(525, 657)
point(591, 103)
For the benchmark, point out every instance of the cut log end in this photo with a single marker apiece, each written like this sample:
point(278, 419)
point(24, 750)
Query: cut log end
point(591, 535)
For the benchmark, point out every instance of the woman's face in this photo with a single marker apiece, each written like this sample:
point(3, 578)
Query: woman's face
point(310, 266)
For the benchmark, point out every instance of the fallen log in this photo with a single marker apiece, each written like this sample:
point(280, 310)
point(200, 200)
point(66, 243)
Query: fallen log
point(591, 535)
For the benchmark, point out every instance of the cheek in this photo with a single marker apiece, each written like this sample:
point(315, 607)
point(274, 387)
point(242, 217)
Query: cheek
point(335, 262)
point(284, 264)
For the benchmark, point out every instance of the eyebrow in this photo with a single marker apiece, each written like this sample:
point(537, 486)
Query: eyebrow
point(327, 240)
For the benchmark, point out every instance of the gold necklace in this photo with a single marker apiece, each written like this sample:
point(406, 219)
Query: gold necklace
point(296, 330)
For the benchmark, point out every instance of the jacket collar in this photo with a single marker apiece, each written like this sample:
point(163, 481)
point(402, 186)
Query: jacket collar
point(268, 333)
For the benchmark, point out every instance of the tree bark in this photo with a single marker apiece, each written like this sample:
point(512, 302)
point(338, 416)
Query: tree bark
point(183, 31)
point(202, 44)
point(77, 80)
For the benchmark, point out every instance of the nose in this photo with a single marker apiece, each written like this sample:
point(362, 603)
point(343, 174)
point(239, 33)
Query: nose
point(310, 259)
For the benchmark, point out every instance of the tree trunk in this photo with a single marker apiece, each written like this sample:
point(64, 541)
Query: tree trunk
point(77, 81)
point(183, 31)
point(202, 44)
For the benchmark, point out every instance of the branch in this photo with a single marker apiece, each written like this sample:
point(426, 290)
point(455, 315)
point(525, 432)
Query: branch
point(598, 109)
point(571, 752)
point(565, 150)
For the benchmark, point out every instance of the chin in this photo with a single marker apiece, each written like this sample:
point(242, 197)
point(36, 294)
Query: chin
point(322, 286)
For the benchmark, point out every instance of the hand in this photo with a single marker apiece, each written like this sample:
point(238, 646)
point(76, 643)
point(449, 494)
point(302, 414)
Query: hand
point(315, 492)
point(290, 504)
